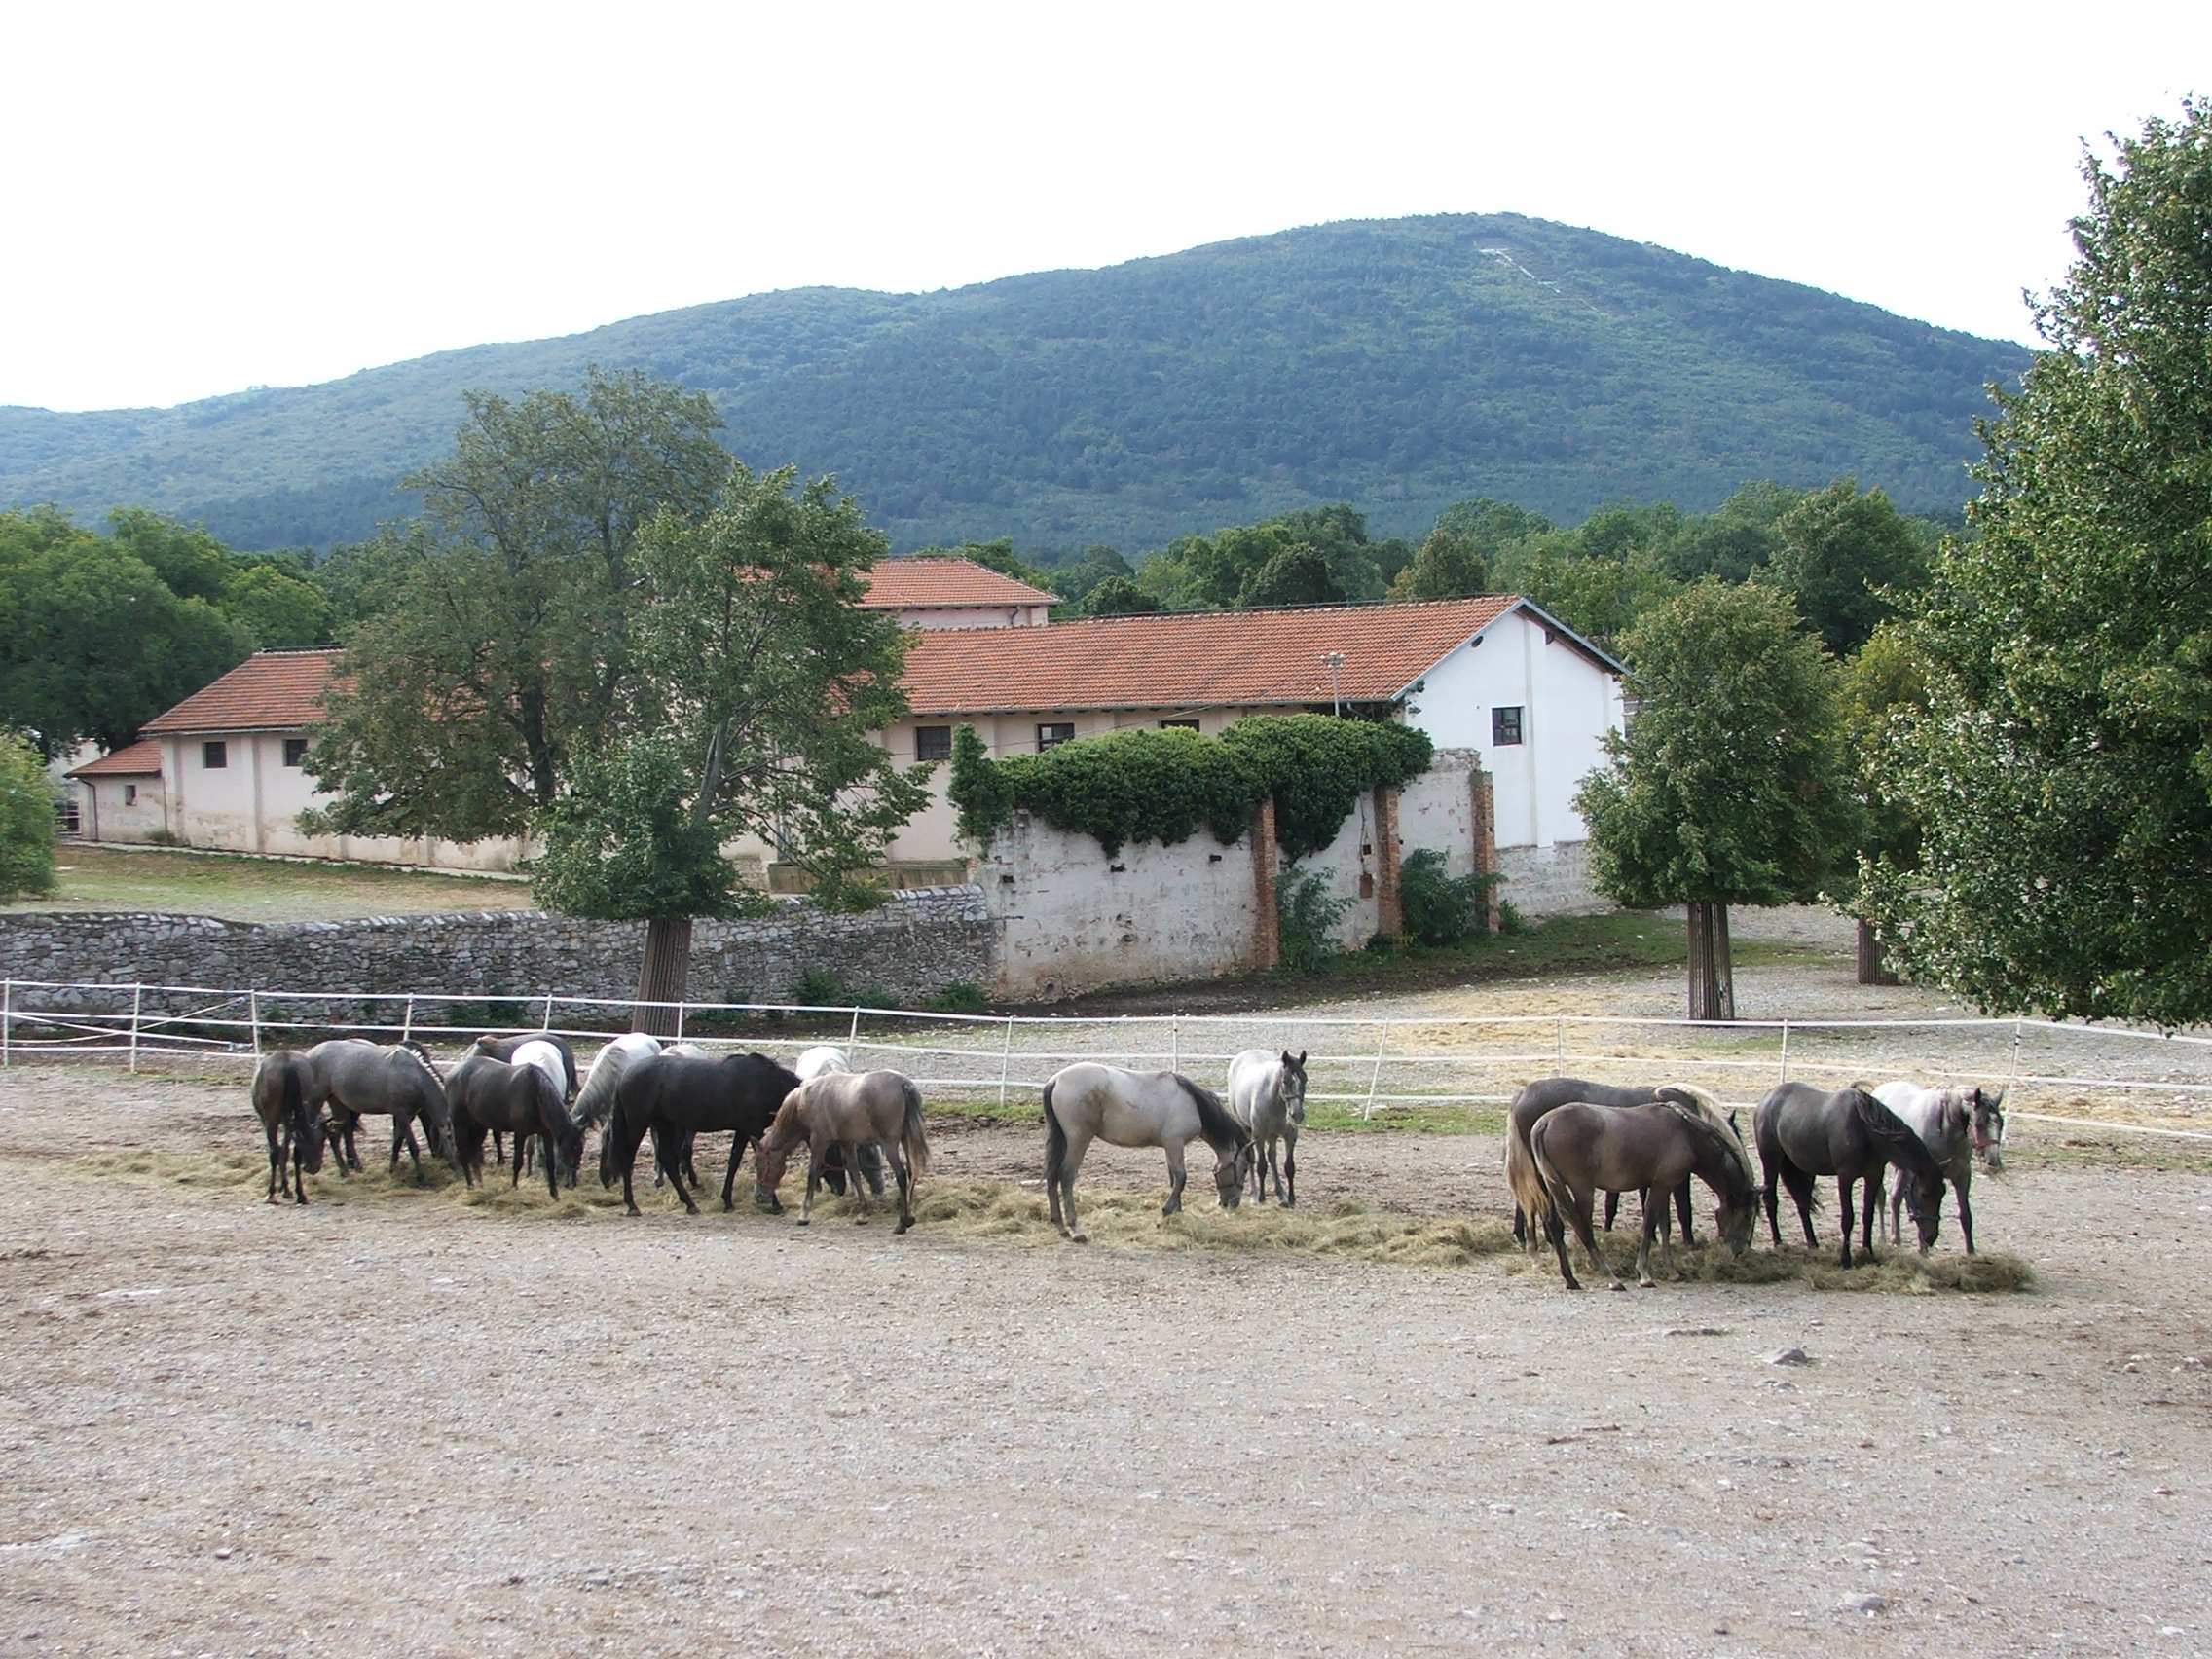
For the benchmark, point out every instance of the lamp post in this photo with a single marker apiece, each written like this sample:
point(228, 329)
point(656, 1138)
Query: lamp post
point(1336, 661)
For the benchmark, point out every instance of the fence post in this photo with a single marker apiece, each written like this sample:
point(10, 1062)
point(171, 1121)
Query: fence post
point(1005, 1060)
point(854, 1035)
point(407, 1020)
point(7, 1020)
point(137, 1001)
point(1785, 1077)
point(1175, 1044)
point(680, 1005)
point(546, 1024)
point(2014, 1082)
point(1375, 1078)
point(253, 1016)
point(1559, 1046)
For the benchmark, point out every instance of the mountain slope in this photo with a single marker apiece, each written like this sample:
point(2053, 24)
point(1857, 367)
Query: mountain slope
point(1397, 365)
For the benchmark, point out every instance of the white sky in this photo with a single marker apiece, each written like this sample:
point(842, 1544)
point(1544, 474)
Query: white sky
point(200, 198)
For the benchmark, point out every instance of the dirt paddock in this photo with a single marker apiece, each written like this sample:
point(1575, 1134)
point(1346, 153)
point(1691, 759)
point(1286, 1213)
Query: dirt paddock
point(411, 1427)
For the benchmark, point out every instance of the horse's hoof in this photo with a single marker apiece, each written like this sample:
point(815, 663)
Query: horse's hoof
point(1618, 1286)
point(803, 1221)
point(1647, 1285)
point(901, 1227)
point(1079, 1236)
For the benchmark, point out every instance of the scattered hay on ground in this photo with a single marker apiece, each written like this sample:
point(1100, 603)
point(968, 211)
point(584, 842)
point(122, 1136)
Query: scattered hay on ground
point(1897, 1273)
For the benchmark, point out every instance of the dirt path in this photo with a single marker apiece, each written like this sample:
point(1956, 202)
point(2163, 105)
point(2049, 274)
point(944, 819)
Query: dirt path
point(370, 1428)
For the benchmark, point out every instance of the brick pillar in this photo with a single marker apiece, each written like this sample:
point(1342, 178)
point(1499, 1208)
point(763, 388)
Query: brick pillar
point(1267, 926)
point(1482, 802)
point(1390, 908)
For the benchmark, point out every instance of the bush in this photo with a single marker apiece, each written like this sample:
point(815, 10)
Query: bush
point(1441, 909)
point(817, 987)
point(962, 996)
point(1306, 914)
point(26, 820)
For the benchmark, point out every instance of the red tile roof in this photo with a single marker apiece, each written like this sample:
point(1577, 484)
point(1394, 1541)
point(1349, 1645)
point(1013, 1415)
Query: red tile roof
point(140, 759)
point(269, 691)
point(1237, 659)
point(907, 584)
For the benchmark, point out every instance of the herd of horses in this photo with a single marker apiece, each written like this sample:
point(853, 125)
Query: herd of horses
point(1566, 1141)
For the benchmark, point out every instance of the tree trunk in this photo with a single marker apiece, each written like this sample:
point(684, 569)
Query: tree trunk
point(1713, 973)
point(663, 975)
point(1873, 968)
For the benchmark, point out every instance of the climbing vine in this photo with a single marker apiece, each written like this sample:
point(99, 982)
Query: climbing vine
point(1163, 785)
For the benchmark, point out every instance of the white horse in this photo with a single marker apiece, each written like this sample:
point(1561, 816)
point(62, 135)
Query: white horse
point(820, 1059)
point(596, 1098)
point(1954, 1125)
point(1267, 1094)
point(1088, 1101)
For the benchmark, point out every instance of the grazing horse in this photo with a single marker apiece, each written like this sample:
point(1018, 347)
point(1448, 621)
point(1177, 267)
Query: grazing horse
point(359, 1079)
point(1953, 1125)
point(1580, 1150)
point(1088, 1101)
point(1853, 1136)
point(487, 1094)
point(597, 1096)
point(849, 1110)
point(676, 1096)
point(1530, 1205)
point(818, 1061)
point(280, 1087)
point(1267, 1094)
point(504, 1049)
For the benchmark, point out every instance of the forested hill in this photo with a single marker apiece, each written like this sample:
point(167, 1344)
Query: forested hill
point(1399, 365)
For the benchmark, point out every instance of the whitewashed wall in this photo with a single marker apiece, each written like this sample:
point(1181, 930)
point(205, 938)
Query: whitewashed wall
point(107, 815)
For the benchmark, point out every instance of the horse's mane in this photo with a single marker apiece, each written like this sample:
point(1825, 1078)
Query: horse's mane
point(1895, 1133)
point(408, 1045)
point(1214, 1121)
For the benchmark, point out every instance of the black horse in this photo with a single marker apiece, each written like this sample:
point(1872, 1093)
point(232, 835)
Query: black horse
point(1520, 1118)
point(281, 1083)
point(1802, 1132)
point(504, 1049)
point(676, 1096)
point(487, 1095)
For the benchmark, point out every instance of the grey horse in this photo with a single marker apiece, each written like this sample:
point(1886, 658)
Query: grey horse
point(1953, 1125)
point(1088, 1101)
point(1804, 1132)
point(359, 1079)
point(1267, 1094)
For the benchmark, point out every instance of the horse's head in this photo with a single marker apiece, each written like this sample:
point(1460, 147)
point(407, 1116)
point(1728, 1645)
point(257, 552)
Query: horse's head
point(1924, 1197)
point(568, 1147)
point(1292, 1086)
point(1232, 1173)
point(1989, 1128)
point(312, 1137)
point(1734, 1222)
point(776, 1143)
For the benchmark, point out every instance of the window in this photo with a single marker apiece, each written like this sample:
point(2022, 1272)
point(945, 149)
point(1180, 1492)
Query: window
point(1052, 735)
point(933, 743)
point(129, 794)
point(214, 756)
point(295, 750)
point(1178, 725)
point(1504, 726)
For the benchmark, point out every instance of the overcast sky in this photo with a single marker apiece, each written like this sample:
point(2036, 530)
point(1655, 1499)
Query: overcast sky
point(204, 197)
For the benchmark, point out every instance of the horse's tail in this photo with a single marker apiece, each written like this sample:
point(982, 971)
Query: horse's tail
point(552, 1108)
point(911, 1140)
point(1894, 1137)
point(1527, 1185)
point(1056, 1140)
point(1559, 1195)
point(296, 1106)
point(1215, 1121)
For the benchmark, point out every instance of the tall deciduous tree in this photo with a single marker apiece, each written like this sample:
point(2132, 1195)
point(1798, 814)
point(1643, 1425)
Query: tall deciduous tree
point(1839, 548)
point(497, 638)
point(1730, 786)
point(26, 820)
point(2064, 766)
point(1448, 566)
point(757, 682)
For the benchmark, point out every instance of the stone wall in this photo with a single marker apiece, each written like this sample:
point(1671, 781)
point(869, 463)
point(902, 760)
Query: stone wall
point(1548, 881)
point(918, 942)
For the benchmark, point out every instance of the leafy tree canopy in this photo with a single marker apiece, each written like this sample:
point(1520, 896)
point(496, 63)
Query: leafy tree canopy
point(2063, 768)
point(1450, 565)
point(26, 820)
point(1840, 553)
point(1296, 575)
point(1118, 596)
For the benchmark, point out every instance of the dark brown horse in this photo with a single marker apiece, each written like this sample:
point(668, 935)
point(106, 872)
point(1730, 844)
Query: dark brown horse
point(281, 1083)
point(487, 1095)
point(1529, 1105)
point(675, 1096)
point(1580, 1150)
point(1853, 1136)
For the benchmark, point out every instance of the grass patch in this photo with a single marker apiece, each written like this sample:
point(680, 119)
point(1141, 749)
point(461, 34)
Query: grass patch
point(238, 887)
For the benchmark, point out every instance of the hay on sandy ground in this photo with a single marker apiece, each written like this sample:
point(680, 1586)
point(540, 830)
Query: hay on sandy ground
point(1017, 1215)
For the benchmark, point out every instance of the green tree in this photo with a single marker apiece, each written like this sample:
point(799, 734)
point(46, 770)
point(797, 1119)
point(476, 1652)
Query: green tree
point(497, 640)
point(1099, 564)
point(757, 685)
point(1296, 575)
point(1838, 550)
point(1885, 683)
point(2063, 769)
point(1600, 597)
point(277, 610)
point(1734, 539)
point(1490, 525)
point(1118, 596)
point(1731, 786)
point(93, 642)
point(1448, 566)
point(26, 820)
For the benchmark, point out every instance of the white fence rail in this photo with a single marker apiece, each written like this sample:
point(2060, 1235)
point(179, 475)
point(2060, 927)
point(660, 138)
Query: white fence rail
point(1374, 1063)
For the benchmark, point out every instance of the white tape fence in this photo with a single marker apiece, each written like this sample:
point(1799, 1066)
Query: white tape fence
point(1368, 1064)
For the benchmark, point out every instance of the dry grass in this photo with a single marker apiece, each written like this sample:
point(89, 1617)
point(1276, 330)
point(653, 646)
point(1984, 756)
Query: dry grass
point(978, 1209)
point(241, 888)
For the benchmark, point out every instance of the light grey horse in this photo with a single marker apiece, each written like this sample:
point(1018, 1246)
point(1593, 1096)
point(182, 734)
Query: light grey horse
point(364, 1079)
point(1267, 1094)
point(1088, 1101)
point(820, 1059)
point(597, 1096)
point(1953, 1124)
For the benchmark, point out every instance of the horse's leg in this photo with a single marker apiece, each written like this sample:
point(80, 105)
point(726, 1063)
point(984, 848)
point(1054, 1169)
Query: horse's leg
point(1773, 1209)
point(1556, 1230)
point(1966, 1212)
point(1801, 1194)
point(813, 1182)
point(1612, 1208)
point(552, 1163)
point(1176, 1174)
point(676, 1180)
point(1070, 1163)
point(629, 1197)
point(1685, 1201)
point(1290, 1165)
point(1260, 1150)
point(499, 1148)
point(852, 1155)
point(275, 1162)
point(514, 1169)
point(1843, 1184)
point(1871, 1195)
point(406, 1126)
point(1896, 1206)
point(1586, 1232)
point(906, 1180)
point(729, 1175)
point(1654, 1214)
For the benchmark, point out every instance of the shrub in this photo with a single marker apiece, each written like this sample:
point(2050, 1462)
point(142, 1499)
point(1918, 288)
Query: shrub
point(1439, 909)
point(1306, 914)
point(26, 820)
point(817, 987)
point(962, 996)
point(1316, 766)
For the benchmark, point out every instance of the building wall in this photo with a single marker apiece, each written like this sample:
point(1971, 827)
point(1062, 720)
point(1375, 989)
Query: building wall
point(104, 814)
point(1549, 881)
point(252, 804)
point(1567, 703)
point(976, 616)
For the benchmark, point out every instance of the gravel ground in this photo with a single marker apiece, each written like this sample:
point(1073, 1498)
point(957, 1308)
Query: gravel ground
point(226, 1428)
